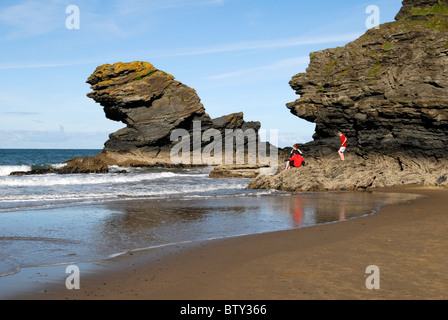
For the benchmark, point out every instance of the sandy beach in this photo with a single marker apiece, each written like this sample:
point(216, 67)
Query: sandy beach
point(407, 243)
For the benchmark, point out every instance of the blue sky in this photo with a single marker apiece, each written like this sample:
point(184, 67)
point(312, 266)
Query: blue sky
point(239, 55)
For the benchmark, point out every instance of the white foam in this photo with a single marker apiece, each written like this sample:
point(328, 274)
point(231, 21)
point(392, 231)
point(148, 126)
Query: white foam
point(117, 194)
point(79, 179)
point(114, 168)
point(58, 165)
point(6, 170)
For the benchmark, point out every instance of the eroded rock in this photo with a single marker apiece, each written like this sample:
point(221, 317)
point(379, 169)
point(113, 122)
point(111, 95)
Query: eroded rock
point(152, 104)
point(387, 90)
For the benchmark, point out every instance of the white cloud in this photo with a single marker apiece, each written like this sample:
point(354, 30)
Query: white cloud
point(32, 18)
point(140, 7)
point(285, 64)
point(258, 45)
point(206, 50)
point(23, 113)
point(38, 65)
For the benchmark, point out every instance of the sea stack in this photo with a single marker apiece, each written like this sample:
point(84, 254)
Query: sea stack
point(152, 104)
point(387, 91)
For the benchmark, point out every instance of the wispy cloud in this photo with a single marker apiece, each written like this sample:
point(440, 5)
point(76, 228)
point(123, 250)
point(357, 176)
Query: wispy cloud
point(206, 50)
point(22, 113)
point(52, 139)
point(34, 18)
point(140, 7)
point(273, 67)
point(41, 65)
point(259, 45)
point(37, 65)
point(31, 18)
point(278, 71)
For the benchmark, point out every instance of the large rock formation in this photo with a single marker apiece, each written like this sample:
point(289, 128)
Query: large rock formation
point(152, 104)
point(388, 92)
point(413, 5)
point(149, 101)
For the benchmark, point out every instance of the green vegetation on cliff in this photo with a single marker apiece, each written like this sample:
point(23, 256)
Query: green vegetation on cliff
point(433, 17)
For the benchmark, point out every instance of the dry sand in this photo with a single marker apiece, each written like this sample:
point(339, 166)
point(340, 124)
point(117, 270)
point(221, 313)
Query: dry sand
point(408, 243)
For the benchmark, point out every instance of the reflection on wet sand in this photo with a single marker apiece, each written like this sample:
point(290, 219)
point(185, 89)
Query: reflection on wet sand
point(317, 208)
point(146, 223)
point(297, 212)
point(96, 232)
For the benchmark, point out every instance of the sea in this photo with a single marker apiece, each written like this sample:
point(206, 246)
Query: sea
point(50, 219)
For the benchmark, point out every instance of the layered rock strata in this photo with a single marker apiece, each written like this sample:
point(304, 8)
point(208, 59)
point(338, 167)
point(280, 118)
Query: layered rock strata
point(152, 105)
point(388, 92)
point(330, 174)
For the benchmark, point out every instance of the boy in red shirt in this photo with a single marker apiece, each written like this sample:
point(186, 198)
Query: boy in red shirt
point(343, 145)
point(296, 161)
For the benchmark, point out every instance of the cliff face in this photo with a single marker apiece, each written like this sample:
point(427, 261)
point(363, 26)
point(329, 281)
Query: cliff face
point(387, 91)
point(152, 104)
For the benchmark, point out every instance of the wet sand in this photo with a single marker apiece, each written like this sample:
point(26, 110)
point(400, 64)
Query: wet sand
point(408, 243)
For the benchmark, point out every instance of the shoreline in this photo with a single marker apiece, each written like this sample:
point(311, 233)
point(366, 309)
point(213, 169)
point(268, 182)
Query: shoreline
point(318, 262)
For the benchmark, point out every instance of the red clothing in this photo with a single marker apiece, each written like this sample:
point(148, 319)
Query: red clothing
point(343, 141)
point(297, 159)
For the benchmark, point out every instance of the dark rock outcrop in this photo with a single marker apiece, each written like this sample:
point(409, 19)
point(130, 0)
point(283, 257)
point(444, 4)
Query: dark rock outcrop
point(152, 104)
point(388, 92)
point(76, 165)
point(85, 165)
point(149, 101)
